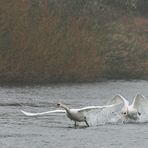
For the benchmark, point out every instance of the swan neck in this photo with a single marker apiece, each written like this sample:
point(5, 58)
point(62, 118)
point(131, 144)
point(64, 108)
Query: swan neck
point(127, 110)
point(65, 107)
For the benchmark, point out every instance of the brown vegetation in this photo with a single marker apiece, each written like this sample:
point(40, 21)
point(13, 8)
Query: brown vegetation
point(71, 41)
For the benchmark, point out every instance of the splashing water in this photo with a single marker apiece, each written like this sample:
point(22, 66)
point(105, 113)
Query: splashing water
point(106, 116)
point(96, 118)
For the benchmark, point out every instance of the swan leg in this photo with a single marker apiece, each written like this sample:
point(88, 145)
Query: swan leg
point(86, 123)
point(75, 124)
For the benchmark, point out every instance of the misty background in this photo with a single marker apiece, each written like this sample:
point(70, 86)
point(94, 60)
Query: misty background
point(73, 40)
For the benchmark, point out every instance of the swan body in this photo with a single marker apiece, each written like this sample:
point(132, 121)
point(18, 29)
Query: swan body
point(130, 111)
point(77, 115)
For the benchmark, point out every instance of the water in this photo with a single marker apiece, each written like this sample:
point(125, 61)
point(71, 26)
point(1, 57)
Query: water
point(19, 131)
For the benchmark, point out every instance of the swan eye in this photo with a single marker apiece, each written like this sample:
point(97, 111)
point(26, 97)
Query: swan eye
point(124, 113)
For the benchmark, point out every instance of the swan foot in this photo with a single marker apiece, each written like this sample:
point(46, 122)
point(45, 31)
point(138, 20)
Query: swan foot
point(139, 113)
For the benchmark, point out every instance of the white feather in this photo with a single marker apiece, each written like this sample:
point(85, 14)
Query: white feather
point(42, 113)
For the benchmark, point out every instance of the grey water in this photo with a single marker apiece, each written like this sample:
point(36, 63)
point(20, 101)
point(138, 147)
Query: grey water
point(53, 131)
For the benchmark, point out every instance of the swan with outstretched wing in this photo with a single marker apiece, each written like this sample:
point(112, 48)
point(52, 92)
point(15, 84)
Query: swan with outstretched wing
point(133, 110)
point(77, 115)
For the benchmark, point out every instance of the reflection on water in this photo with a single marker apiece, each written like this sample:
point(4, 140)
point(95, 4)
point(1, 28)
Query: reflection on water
point(18, 130)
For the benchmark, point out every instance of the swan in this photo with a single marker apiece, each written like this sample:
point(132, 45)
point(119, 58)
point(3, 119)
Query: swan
point(130, 111)
point(77, 115)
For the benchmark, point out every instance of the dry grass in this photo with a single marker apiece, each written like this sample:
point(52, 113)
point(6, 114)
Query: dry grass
point(41, 41)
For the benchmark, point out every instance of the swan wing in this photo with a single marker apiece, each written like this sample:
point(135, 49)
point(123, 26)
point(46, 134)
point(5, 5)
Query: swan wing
point(89, 108)
point(42, 113)
point(112, 111)
point(118, 99)
point(117, 103)
point(140, 102)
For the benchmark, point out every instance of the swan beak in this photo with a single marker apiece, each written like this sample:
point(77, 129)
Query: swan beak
point(58, 104)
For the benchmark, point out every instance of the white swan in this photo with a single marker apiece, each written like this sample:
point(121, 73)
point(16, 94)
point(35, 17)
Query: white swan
point(130, 111)
point(77, 115)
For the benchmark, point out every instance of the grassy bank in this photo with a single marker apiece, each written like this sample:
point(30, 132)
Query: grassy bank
point(72, 41)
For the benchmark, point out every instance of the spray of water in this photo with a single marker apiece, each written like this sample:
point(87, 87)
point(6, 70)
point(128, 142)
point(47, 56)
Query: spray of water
point(106, 116)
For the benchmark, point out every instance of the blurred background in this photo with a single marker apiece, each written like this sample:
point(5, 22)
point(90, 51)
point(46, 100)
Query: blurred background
point(44, 41)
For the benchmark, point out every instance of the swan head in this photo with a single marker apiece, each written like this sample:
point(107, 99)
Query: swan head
point(59, 104)
point(62, 105)
point(124, 111)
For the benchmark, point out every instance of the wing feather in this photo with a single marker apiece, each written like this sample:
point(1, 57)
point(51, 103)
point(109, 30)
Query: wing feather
point(140, 102)
point(89, 108)
point(117, 103)
point(118, 99)
point(42, 113)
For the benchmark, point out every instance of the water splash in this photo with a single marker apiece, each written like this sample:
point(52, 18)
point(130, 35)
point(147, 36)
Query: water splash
point(96, 118)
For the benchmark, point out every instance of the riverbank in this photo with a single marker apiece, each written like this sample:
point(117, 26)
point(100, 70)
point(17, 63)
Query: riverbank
point(72, 41)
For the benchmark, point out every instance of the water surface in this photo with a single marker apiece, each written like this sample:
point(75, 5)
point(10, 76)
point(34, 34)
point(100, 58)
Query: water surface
point(19, 131)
